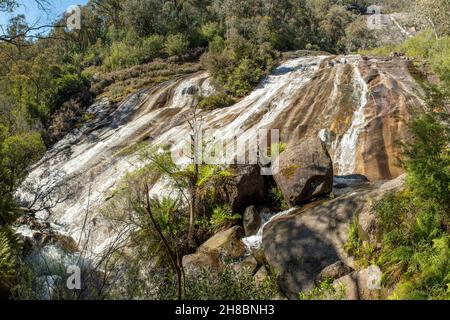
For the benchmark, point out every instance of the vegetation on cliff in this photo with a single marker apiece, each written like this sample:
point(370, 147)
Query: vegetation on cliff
point(49, 78)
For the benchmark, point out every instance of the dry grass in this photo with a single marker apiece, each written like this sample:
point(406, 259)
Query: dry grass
point(116, 85)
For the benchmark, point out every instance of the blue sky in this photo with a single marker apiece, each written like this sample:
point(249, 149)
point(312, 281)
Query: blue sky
point(33, 14)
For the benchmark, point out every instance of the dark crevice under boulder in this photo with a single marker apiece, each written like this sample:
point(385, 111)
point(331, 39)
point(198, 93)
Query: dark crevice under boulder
point(304, 171)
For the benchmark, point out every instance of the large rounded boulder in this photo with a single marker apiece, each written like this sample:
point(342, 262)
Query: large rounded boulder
point(303, 246)
point(304, 171)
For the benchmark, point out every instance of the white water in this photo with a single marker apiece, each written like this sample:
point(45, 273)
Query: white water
point(86, 161)
point(345, 155)
point(253, 243)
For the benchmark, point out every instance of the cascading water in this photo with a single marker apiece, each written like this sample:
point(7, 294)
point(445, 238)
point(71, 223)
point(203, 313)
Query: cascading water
point(253, 243)
point(345, 155)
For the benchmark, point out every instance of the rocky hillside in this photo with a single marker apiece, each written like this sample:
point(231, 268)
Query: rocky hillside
point(352, 109)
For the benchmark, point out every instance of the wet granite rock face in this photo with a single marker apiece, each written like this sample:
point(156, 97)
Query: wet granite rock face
point(252, 221)
point(299, 246)
point(308, 95)
point(245, 188)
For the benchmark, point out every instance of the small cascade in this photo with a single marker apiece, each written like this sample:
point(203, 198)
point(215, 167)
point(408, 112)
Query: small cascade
point(253, 243)
point(345, 155)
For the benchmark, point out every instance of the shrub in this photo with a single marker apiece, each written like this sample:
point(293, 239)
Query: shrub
point(223, 218)
point(358, 36)
point(353, 243)
point(8, 262)
point(211, 31)
point(176, 45)
point(17, 152)
point(424, 46)
point(276, 198)
point(415, 252)
point(324, 291)
point(120, 56)
point(428, 159)
point(243, 78)
point(217, 101)
point(66, 86)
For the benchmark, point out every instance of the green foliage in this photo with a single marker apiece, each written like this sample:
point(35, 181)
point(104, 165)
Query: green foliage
point(354, 242)
point(65, 86)
point(324, 291)
point(151, 47)
point(176, 45)
point(217, 101)
point(415, 247)
point(415, 252)
point(8, 261)
point(223, 218)
point(211, 31)
point(226, 285)
point(244, 77)
point(424, 46)
point(276, 198)
point(429, 274)
point(278, 147)
point(436, 14)
point(428, 159)
point(133, 51)
point(17, 152)
point(121, 56)
point(239, 63)
point(358, 36)
point(332, 28)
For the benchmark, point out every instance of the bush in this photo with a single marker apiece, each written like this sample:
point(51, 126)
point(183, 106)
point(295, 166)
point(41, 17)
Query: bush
point(120, 56)
point(217, 101)
point(68, 85)
point(276, 199)
point(242, 80)
point(424, 46)
point(176, 45)
point(428, 159)
point(151, 47)
point(414, 253)
point(17, 152)
point(353, 243)
point(8, 262)
point(415, 250)
point(324, 291)
point(358, 36)
point(211, 31)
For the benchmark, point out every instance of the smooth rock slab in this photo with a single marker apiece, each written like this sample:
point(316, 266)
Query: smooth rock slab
point(300, 245)
point(252, 221)
point(305, 171)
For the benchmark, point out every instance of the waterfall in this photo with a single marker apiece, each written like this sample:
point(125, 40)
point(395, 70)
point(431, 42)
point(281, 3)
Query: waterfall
point(81, 171)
